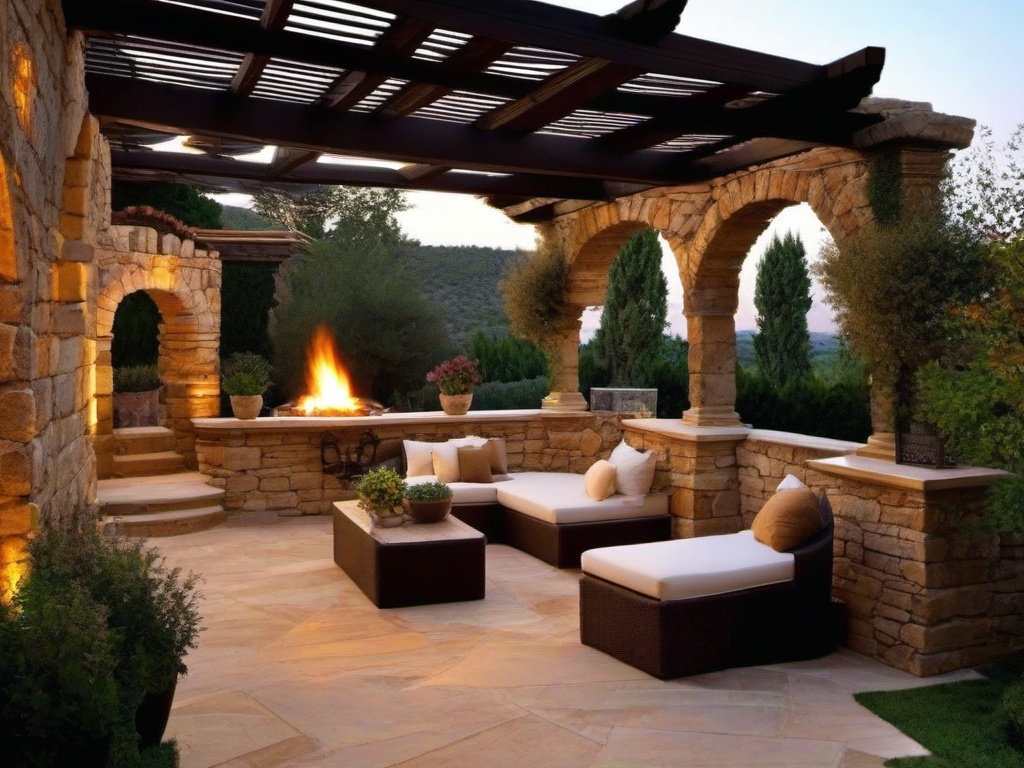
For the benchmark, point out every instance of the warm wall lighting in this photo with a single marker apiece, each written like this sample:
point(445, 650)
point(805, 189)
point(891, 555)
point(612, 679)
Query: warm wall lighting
point(13, 571)
point(24, 84)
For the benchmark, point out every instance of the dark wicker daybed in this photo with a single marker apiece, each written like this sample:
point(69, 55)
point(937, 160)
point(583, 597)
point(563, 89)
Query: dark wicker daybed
point(770, 624)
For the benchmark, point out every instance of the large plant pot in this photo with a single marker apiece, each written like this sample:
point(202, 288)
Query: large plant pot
point(246, 406)
point(456, 405)
point(428, 511)
point(137, 409)
point(152, 715)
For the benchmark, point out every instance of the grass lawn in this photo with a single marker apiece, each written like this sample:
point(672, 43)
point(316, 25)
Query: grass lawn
point(962, 724)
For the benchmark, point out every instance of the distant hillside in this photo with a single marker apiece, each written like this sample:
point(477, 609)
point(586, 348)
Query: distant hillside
point(463, 281)
point(824, 347)
point(235, 217)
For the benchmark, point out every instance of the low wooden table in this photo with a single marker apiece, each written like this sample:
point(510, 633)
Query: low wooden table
point(412, 564)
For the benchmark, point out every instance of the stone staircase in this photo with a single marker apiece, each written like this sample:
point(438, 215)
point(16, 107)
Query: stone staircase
point(151, 492)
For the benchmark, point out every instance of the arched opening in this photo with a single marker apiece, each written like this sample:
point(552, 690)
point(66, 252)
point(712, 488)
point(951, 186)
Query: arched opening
point(134, 356)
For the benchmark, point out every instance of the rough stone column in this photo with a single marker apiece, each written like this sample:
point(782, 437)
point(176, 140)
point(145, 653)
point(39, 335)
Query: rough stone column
point(712, 363)
point(565, 394)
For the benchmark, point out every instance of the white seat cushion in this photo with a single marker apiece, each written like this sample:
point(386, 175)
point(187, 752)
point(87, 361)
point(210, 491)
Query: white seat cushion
point(707, 565)
point(560, 497)
point(464, 493)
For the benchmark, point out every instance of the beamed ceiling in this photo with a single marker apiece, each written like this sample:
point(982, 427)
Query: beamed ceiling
point(512, 99)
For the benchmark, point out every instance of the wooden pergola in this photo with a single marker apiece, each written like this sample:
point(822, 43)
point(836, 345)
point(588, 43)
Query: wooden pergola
point(511, 99)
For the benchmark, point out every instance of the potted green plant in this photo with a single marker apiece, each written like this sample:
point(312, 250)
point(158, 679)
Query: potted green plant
point(428, 502)
point(136, 396)
point(245, 376)
point(148, 621)
point(456, 379)
point(381, 492)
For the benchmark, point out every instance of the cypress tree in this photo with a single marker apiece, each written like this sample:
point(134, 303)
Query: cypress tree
point(782, 297)
point(635, 309)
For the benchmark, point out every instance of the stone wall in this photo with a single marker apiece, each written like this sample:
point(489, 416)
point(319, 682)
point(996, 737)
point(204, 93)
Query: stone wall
point(274, 463)
point(50, 174)
point(184, 282)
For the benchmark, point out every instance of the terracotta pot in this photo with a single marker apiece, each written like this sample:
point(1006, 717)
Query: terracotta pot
point(137, 409)
point(456, 405)
point(428, 511)
point(151, 716)
point(246, 406)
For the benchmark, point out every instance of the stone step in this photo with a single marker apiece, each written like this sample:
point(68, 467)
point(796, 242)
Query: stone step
point(157, 493)
point(132, 440)
point(146, 464)
point(172, 523)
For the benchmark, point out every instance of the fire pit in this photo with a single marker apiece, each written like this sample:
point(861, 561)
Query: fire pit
point(330, 391)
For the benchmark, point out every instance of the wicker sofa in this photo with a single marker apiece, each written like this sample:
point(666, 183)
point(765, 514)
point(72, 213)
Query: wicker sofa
point(550, 516)
point(690, 606)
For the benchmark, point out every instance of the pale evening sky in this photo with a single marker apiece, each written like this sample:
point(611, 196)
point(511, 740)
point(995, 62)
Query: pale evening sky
point(964, 58)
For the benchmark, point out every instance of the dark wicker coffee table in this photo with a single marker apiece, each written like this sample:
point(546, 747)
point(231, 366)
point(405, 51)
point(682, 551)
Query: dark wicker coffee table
point(412, 564)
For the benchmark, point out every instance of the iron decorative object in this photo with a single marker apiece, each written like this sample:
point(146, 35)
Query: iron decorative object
point(351, 465)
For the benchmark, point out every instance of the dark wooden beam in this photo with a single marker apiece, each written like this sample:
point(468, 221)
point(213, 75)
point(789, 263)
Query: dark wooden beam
point(287, 159)
point(522, 186)
point(645, 21)
point(558, 95)
point(410, 140)
point(422, 172)
point(274, 17)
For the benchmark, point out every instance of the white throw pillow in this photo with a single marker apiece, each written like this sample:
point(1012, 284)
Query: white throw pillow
point(789, 483)
point(634, 470)
point(418, 458)
point(599, 481)
point(446, 462)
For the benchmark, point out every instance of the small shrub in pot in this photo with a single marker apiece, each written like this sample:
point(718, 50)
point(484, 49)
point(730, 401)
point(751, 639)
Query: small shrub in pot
point(245, 376)
point(428, 502)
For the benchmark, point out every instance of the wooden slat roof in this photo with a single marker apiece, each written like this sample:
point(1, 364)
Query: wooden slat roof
point(513, 99)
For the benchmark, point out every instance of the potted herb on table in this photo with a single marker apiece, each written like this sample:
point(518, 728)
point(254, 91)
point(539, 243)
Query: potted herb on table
point(136, 396)
point(428, 502)
point(456, 379)
point(381, 492)
point(245, 377)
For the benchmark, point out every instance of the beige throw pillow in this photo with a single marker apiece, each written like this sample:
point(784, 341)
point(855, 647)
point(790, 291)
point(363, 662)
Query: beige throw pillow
point(446, 462)
point(634, 470)
point(600, 480)
point(475, 464)
point(499, 457)
point(418, 457)
point(788, 519)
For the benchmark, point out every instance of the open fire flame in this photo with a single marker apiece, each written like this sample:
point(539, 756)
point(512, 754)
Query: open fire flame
point(330, 392)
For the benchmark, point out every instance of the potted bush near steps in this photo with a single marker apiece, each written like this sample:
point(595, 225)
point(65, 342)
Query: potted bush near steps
point(428, 502)
point(456, 379)
point(136, 396)
point(102, 677)
point(245, 376)
point(381, 492)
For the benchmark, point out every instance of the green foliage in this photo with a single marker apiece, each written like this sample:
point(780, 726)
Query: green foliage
point(534, 294)
point(782, 296)
point(506, 358)
point(975, 396)
point(246, 220)
point(386, 331)
point(182, 201)
point(457, 376)
point(960, 723)
point(669, 373)
point(1013, 706)
point(984, 188)
point(245, 373)
point(381, 488)
point(246, 296)
point(591, 372)
point(885, 188)
point(136, 378)
point(808, 406)
point(463, 282)
point(136, 331)
point(893, 288)
point(510, 395)
point(351, 214)
point(635, 308)
point(432, 491)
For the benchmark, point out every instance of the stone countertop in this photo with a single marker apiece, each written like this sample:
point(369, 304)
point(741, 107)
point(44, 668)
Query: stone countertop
point(317, 423)
point(909, 476)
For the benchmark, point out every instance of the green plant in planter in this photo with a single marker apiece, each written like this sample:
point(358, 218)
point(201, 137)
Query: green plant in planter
point(432, 491)
point(136, 378)
point(245, 374)
point(381, 489)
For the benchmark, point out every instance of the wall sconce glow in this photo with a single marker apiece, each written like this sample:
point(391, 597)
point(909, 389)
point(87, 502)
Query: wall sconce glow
point(24, 84)
point(11, 575)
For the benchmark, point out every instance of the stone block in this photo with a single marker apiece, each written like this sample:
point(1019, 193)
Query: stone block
point(276, 483)
point(15, 472)
point(241, 458)
point(69, 281)
point(17, 415)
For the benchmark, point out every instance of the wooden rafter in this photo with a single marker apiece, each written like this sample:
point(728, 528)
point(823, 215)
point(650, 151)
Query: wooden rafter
point(274, 17)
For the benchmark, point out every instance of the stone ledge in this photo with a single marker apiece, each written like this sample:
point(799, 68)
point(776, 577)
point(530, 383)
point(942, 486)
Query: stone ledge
point(802, 441)
point(679, 430)
point(905, 476)
point(320, 423)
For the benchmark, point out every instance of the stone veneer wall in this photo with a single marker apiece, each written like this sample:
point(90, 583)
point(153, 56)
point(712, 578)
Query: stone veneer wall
point(275, 463)
point(53, 183)
point(184, 281)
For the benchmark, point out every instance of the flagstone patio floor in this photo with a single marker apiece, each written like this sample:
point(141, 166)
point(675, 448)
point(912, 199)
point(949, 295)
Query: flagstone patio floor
point(297, 668)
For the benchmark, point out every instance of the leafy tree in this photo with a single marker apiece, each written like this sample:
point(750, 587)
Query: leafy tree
point(635, 310)
point(506, 358)
point(135, 331)
point(349, 214)
point(182, 201)
point(246, 298)
point(782, 296)
point(984, 188)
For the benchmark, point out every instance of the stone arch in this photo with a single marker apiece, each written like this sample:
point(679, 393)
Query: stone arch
point(188, 355)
